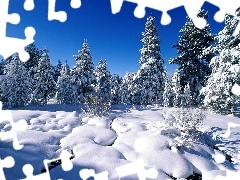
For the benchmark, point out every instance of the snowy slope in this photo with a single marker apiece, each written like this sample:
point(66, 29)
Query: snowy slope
point(105, 144)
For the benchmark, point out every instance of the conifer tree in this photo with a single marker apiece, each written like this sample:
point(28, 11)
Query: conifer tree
point(102, 85)
point(127, 89)
point(217, 93)
point(116, 89)
point(2, 67)
point(192, 62)
point(151, 74)
point(67, 67)
point(176, 89)
point(16, 84)
point(225, 38)
point(35, 55)
point(225, 73)
point(82, 72)
point(44, 84)
point(186, 97)
point(57, 70)
point(66, 92)
point(168, 94)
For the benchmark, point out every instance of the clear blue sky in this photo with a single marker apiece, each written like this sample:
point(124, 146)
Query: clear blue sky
point(115, 38)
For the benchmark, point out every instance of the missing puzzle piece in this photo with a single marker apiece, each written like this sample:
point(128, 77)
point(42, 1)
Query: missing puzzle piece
point(66, 164)
point(7, 162)
point(226, 8)
point(16, 126)
point(191, 7)
point(137, 168)
point(6, 43)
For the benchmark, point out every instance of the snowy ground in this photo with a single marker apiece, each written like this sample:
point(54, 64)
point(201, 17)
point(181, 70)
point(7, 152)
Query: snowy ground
point(103, 145)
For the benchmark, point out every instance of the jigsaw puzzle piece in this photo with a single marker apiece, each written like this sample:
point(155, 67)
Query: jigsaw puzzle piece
point(64, 159)
point(6, 48)
point(192, 8)
point(66, 164)
point(87, 173)
point(228, 133)
point(29, 5)
point(230, 8)
point(6, 45)
point(53, 15)
point(75, 4)
point(16, 126)
point(116, 6)
point(7, 162)
point(137, 168)
point(6, 18)
point(236, 89)
point(28, 171)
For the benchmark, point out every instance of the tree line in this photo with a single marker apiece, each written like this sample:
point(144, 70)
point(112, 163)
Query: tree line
point(208, 65)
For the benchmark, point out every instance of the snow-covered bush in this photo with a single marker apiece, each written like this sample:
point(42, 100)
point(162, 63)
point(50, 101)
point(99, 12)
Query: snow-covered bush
point(96, 105)
point(188, 122)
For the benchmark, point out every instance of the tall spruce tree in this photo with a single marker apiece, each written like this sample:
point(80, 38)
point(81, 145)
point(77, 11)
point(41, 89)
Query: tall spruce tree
point(57, 70)
point(2, 67)
point(225, 38)
point(225, 73)
point(176, 89)
point(192, 63)
point(44, 84)
point(151, 74)
point(116, 82)
point(35, 55)
point(66, 92)
point(127, 89)
point(82, 72)
point(102, 85)
point(168, 94)
point(225, 67)
point(16, 84)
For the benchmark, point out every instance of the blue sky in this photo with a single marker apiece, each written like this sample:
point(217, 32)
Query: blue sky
point(115, 38)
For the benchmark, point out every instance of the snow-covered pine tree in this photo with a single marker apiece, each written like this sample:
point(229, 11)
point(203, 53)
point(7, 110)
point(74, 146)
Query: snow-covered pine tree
point(35, 55)
point(102, 86)
point(99, 102)
point(16, 84)
point(2, 67)
point(151, 74)
point(67, 67)
point(225, 73)
point(192, 63)
point(225, 38)
point(168, 94)
point(82, 72)
point(57, 70)
point(44, 84)
point(186, 97)
point(116, 89)
point(127, 89)
point(66, 92)
point(176, 89)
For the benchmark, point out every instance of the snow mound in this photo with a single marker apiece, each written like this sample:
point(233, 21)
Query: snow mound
point(88, 134)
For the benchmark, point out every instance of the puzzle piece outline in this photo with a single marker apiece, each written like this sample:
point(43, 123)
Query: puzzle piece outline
point(16, 126)
point(6, 45)
point(66, 166)
point(8, 162)
point(191, 7)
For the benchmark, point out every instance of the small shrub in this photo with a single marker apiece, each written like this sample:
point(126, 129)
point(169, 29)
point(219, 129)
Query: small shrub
point(96, 105)
point(188, 121)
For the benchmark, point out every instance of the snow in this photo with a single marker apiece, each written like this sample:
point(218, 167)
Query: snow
point(107, 144)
